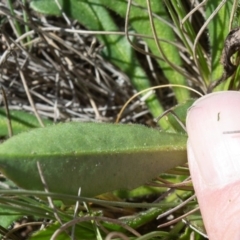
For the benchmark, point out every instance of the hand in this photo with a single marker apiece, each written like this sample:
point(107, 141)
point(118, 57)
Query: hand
point(213, 126)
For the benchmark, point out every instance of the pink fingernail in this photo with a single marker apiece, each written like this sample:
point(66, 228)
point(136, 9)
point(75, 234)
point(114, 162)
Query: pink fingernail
point(213, 125)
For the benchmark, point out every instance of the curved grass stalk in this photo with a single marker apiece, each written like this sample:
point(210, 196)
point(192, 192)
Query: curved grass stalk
point(152, 88)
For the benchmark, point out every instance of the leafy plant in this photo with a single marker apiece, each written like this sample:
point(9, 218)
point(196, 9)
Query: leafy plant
point(112, 157)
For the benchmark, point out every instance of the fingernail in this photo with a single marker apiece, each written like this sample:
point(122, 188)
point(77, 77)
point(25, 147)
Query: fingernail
point(213, 126)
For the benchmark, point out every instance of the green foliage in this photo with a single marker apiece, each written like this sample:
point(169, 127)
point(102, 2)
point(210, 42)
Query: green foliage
point(20, 121)
point(96, 157)
point(218, 30)
point(7, 217)
point(139, 20)
point(83, 232)
point(104, 157)
point(84, 227)
point(180, 112)
point(20, 206)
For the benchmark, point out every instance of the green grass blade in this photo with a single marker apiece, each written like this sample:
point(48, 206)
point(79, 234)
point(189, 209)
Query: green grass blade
point(16, 23)
point(218, 31)
point(187, 35)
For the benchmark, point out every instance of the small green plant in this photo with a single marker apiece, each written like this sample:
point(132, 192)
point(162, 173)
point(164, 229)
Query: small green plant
point(185, 42)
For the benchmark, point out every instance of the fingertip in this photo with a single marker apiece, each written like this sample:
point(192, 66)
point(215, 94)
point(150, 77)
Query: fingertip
point(214, 161)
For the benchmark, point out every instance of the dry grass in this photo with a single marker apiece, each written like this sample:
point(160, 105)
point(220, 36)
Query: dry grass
point(62, 72)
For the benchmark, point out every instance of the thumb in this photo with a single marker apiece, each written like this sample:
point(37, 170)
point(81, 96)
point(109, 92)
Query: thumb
point(213, 126)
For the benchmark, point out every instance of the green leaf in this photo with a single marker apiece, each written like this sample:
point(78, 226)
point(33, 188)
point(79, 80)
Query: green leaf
point(135, 221)
point(139, 20)
point(7, 218)
point(21, 121)
point(94, 16)
point(218, 31)
point(96, 157)
point(80, 232)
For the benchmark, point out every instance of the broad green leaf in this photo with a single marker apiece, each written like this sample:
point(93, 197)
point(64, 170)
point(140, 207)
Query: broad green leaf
point(21, 121)
point(218, 30)
point(139, 20)
point(94, 16)
point(96, 157)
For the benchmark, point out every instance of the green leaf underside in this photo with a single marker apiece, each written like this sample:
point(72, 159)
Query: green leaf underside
point(96, 157)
